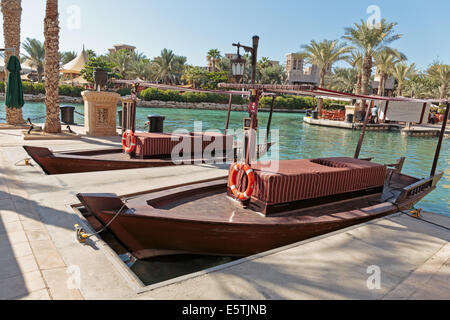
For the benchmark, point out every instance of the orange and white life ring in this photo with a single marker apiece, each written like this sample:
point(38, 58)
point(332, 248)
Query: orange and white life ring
point(128, 148)
point(251, 181)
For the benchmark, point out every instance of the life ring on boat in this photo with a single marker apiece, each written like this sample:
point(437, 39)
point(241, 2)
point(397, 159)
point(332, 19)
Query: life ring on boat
point(130, 148)
point(251, 181)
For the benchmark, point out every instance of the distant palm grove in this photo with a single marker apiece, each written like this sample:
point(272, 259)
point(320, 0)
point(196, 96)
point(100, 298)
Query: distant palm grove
point(364, 48)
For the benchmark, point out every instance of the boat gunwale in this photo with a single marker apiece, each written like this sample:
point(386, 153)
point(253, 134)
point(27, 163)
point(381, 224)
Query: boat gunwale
point(362, 213)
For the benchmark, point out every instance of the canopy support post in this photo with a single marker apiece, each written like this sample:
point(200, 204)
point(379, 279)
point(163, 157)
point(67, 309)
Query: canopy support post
point(363, 130)
point(439, 145)
point(228, 114)
point(270, 118)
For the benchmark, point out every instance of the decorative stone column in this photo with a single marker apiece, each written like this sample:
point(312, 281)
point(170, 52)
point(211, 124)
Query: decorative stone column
point(100, 113)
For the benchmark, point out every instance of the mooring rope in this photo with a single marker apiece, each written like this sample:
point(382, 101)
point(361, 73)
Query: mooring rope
point(109, 223)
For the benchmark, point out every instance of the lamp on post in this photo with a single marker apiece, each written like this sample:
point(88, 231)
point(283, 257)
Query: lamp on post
point(254, 52)
point(238, 67)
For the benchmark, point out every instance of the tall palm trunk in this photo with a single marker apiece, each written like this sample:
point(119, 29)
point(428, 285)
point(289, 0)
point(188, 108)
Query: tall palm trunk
point(381, 85)
point(12, 13)
point(358, 83)
point(367, 72)
point(443, 91)
point(322, 74)
point(400, 89)
point(51, 33)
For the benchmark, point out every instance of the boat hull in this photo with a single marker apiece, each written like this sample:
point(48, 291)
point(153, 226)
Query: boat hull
point(100, 160)
point(162, 229)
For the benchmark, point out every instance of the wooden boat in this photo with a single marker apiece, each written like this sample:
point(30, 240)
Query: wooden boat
point(204, 219)
point(153, 149)
point(108, 159)
point(284, 202)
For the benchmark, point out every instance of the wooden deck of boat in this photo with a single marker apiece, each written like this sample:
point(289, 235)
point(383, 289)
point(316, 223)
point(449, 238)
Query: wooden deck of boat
point(211, 204)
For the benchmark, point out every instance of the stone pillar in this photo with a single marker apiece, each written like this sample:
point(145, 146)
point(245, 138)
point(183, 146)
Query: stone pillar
point(100, 110)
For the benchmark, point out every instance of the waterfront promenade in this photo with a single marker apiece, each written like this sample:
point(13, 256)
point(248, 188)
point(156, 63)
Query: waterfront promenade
point(41, 259)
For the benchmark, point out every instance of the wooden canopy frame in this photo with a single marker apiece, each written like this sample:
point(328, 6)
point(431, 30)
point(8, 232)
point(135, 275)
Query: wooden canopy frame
point(301, 90)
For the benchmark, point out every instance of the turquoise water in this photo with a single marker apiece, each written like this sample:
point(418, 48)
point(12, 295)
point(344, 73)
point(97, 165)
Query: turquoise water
point(300, 140)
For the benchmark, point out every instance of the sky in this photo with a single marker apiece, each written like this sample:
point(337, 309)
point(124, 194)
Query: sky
point(192, 27)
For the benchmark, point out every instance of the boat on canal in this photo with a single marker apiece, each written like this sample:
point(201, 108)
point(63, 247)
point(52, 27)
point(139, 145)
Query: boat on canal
point(147, 149)
point(262, 205)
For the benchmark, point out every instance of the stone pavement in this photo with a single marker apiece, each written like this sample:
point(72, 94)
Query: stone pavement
point(40, 258)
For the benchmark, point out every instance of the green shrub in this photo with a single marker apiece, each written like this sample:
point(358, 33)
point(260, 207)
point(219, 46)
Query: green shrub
point(76, 91)
point(150, 94)
point(38, 88)
point(28, 87)
point(172, 95)
point(65, 90)
point(2, 87)
point(124, 91)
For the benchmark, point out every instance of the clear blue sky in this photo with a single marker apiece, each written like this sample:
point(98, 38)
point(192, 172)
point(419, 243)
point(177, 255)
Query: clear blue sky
point(192, 27)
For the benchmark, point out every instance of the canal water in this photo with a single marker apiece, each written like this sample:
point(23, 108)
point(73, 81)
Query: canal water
point(297, 140)
point(301, 140)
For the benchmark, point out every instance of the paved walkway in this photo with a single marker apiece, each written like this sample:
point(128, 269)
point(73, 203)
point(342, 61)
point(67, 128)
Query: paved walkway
point(40, 258)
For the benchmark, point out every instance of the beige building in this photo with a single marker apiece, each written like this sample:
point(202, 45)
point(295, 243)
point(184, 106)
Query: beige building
point(118, 47)
point(297, 73)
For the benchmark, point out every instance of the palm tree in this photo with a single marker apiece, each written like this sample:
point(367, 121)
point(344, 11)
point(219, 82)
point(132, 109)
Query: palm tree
point(213, 57)
point(67, 56)
point(420, 85)
point(169, 67)
point(385, 60)
point(441, 72)
point(402, 72)
point(121, 60)
point(343, 79)
point(370, 40)
point(12, 13)
point(142, 69)
point(273, 74)
point(324, 54)
point(195, 76)
point(51, 67)
point(35, 55)
point(356, 61)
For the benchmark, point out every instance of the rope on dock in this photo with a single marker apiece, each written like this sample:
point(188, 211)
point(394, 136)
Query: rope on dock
point(406, 213)
point(109, 223)
point(79, 113)
point(419, 218)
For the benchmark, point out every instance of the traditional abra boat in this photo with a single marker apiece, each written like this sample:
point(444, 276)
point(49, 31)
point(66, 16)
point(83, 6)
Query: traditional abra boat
point(116, 159)
point(263, 205)
point(143, 150)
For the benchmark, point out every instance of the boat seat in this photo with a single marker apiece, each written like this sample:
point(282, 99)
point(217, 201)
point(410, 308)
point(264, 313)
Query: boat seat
point(295, 180)
point(158, 144)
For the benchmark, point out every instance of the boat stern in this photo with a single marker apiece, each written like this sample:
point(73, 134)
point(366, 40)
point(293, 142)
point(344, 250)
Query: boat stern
point(95, 202)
